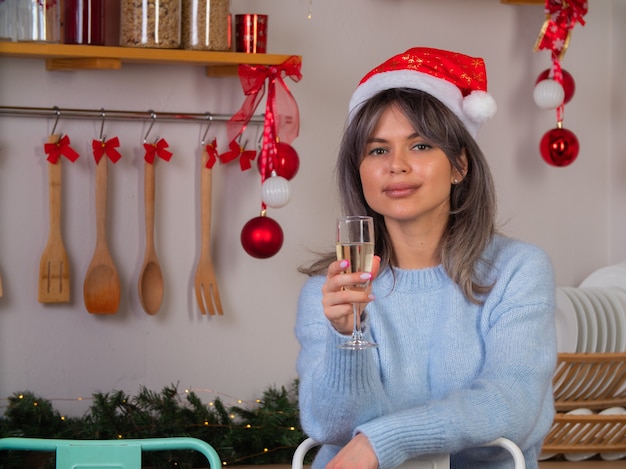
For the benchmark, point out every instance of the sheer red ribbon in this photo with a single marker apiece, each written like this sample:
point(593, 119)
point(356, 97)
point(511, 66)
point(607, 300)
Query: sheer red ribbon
point(282, 119)
point(157, 149)
point(61, 147)
point(561, 17)
point(108, 148)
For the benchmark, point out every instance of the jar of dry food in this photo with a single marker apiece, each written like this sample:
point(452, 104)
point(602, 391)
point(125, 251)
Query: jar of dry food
point(150, 23)
point(206, 25)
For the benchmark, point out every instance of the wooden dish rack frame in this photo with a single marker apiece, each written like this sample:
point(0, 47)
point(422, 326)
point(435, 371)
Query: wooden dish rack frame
point(596, 381)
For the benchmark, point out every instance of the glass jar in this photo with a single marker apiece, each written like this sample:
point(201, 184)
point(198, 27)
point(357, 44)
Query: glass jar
point(83, 22)
point(38, 20)
point(150, 23)
point(8, 20)
point(206, 25)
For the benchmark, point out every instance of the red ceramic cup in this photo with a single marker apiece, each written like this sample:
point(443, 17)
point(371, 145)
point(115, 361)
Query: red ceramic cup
point(251, 33)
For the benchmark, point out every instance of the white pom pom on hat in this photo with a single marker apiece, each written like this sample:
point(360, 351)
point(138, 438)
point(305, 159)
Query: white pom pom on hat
point(458, 81)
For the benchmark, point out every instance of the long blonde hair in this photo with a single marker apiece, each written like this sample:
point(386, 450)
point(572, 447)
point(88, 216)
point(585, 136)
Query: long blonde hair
point(471, 224)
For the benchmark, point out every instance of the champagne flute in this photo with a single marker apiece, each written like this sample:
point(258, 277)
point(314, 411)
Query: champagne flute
point(355, 243)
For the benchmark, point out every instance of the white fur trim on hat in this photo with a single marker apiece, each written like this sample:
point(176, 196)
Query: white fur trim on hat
point(472, 110)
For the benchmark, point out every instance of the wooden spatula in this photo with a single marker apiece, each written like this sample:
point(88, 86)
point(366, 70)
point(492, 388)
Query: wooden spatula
point(54, 268)
point(101, 289)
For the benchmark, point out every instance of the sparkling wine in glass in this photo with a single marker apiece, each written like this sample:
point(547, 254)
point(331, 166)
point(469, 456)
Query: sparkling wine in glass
point(355, 243)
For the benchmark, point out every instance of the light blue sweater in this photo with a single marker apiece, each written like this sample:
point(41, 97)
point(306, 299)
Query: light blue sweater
point(448, 375)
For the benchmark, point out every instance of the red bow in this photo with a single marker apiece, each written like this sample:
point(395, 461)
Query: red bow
point(282, 119)
point(211, 150)
point(157, 149)
point(561, 17)
point(236, 150)
point(60, 147)
point(108, 148)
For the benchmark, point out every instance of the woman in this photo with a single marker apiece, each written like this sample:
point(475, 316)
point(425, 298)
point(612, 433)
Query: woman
point(463, 316)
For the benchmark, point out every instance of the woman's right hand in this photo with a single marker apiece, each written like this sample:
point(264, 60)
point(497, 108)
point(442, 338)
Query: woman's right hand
point(337, 298)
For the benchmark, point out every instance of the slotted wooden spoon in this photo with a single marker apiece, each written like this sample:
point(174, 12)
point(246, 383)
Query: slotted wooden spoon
point(54, 267)
point(151, 277)
point(101, 289)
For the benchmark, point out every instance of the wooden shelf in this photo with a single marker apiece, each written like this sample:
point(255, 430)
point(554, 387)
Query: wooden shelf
point(81, 57)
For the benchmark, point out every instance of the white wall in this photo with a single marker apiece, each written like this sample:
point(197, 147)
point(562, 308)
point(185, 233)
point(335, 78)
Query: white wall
point(60, 351)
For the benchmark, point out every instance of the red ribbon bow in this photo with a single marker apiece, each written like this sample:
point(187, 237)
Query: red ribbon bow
point(157, 149)
point(108, 148)
point(561, 17)
point(60, 147)
point(282, 119)
point(237, 151)
point(211, 150)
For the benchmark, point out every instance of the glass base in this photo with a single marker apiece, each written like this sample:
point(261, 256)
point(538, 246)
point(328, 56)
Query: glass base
point(357, 344)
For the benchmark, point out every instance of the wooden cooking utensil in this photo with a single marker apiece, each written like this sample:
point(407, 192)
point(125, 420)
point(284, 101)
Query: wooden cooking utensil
point(207, 293)
point(151, 278)
point(54, 267)
point(101, 289)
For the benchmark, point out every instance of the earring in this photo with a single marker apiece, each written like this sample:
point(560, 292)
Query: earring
point(455, 182)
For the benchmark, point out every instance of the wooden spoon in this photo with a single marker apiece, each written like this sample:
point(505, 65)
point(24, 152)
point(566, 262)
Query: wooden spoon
point(101, 289)
point(151, 277)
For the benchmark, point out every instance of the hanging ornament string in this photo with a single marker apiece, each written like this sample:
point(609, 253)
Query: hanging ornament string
point(157, 149)
point(561, 17)
point(282, 120)
point(60, 147)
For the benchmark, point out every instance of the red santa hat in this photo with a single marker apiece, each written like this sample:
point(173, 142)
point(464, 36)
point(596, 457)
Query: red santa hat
point(458, 81)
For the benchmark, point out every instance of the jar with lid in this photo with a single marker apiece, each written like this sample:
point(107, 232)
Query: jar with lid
point(150, 23)
point(38, 21)
point(83, 22)
point(206, 25)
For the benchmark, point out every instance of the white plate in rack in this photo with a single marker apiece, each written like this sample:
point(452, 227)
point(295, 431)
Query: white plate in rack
point(566, 323)
point(590, 317)
point(610, 276)
point(599, 313)
point(609, 307)
point(613, 456)
point(581, 341)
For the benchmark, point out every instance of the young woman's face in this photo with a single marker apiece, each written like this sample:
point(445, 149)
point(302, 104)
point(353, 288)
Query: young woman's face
point(405, 178)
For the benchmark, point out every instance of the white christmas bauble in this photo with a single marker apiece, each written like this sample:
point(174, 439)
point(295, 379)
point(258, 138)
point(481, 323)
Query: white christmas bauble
point(548, 94)
point(276, 191)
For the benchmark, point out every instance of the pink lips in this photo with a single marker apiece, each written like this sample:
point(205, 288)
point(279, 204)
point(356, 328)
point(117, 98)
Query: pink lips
point(398, 190)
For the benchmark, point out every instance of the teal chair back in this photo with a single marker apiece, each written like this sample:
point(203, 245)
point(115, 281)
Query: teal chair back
point(108, 454)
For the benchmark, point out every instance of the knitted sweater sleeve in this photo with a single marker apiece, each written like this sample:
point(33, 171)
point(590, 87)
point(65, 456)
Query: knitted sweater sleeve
point(334, 384)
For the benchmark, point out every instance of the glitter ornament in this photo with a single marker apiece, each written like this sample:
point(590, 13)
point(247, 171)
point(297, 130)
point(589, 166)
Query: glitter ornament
point(276, 191)
point(262, 237)
point(569, 85)
point(559, 147)
point(548, 94)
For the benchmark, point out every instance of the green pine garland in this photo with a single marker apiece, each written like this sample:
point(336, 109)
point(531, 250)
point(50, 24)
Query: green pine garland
point(268, 433)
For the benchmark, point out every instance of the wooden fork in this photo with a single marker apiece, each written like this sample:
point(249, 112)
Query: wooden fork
point(54, 267)
point(207, 293)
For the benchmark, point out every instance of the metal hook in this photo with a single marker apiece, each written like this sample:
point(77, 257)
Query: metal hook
point(153, 116)
point(103, 114)
point(209, 116)
point(57, 112)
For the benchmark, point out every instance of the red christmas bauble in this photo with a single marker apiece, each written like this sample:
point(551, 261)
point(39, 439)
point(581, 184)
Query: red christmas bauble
point(286, 164)
point(262, 237)
point(569, 86)
point(559, 147)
